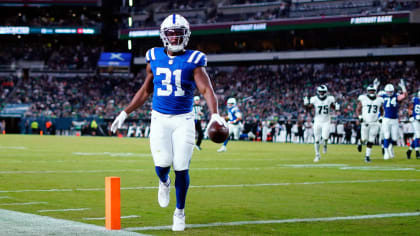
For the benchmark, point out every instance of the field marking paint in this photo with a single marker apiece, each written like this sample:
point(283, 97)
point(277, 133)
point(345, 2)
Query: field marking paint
point(381, 168)
point(3, 197)
point(22, 203)
point(112, 154)
point(63, 210)
point(25, 224)
point(103, 218)
point(296, 220)
point(312, 165)
point(65, 171)
point(13, 147)
point(221, 186)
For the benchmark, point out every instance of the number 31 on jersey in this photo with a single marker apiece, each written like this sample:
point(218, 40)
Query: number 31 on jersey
point(167, 85)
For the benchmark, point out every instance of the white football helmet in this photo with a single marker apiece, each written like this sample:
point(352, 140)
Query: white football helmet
point(231, 102)
point(175, 32)
point(389, 89)
point(371, 91)
point(196, 98)
point(322, 91)
point(418, 94)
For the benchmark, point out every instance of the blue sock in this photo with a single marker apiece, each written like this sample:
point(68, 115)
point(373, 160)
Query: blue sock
point(225, 143)
point(162, 173)
point(182, 181)
point(386, 143)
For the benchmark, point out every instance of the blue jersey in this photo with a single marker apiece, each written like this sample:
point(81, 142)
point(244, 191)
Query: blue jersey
point(173, 79)
point(233, 113)
point(390, 106)
point(416, 108)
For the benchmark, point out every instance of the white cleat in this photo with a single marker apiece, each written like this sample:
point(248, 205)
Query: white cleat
point(179, 222)
point(317, 158)
point(222, 149)
point(163, 194)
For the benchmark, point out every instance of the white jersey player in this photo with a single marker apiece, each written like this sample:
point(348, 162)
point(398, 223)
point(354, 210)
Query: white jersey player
point(368, 110)
point(322, 104)
point(234, 123)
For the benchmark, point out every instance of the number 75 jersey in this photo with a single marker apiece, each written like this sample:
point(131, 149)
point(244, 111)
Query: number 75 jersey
point(370, 108)
point(173, 79)
point(322, 108)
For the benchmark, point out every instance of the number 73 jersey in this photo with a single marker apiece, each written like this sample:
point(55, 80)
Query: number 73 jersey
point(173, 79)
point(370, 108)
point(322, 108)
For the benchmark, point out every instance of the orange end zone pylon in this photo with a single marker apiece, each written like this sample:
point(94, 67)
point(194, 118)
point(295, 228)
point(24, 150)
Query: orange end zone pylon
point(112, 203)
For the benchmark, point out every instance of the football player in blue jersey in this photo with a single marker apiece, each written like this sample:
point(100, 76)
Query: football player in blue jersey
point(414, 112)
point(172, 74)
point(234, 123)
point(390, 118)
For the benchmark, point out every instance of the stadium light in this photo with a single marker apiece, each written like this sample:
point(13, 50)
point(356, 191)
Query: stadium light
point(129, 44)
point(130, 21)
point(130, 3)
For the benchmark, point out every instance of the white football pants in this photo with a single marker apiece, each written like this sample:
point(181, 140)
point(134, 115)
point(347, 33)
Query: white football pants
point(390, 128)
point(172, 139)
point(234, 129)
point(321, 130)
point(369, 131)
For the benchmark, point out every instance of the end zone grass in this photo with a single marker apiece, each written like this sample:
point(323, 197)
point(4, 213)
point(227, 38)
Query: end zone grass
point(251, 182)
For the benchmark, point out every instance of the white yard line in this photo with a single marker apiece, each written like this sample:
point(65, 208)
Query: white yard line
point(13, 147)
point(103, 218)
point(24, 224)
point(3, 197)
point(22, 203)
point(221, 186)
point(61, 210)
point(239, 223)
point(66, 171)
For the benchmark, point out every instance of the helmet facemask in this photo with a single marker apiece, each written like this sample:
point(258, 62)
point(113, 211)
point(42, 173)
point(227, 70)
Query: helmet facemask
point(371, 92)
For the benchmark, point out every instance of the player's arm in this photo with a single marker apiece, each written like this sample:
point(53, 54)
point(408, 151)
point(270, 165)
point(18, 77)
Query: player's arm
point(203, 84)
point(410, 109)
point(139, 99)
point(307, 104)
point(143, 93)
point(404, 94)
point(359, 111)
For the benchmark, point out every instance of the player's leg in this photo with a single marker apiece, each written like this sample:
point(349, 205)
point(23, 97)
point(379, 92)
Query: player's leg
point(231, 132)
point(161, 147)
point(373, 130)
point(200, 134)
point(416, 139)
point(183, 146)
point(364, 130)
point(325, 134)
point(386, 128)
point(236, 131)
point(317, 137)
point(394, 137)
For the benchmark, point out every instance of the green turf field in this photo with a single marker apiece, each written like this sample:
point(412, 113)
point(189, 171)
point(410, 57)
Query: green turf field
point(253, 184)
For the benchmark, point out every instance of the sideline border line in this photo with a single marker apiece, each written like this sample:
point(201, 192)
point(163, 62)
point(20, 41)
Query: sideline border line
point(295, 220)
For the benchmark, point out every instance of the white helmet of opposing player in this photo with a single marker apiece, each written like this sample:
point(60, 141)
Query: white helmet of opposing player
point(371, 91)
point(231, 102)
point(322, 91)
point(418, 94)
point(389, 89)
point(196, 98)
point(175, 32)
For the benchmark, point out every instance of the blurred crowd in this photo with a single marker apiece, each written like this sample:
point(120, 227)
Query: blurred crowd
point(52, 55)
point(224, 10)
point(263, 92)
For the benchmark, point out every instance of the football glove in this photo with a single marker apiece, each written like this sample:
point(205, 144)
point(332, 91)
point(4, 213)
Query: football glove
point(305, 101)
point(376, 83)
point(361, 119)
point(337, 106)
point(411, 119)
point(380, 119)
point(402, 85)
point(216, 117)
point(119, 120)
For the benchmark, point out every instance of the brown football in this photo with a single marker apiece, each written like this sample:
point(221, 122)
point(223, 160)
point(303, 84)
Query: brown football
point(218, 133)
